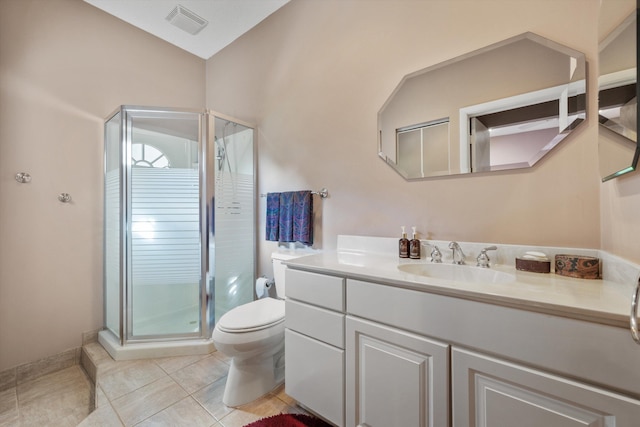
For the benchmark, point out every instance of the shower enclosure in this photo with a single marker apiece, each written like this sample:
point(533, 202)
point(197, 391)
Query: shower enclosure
point(179, 226)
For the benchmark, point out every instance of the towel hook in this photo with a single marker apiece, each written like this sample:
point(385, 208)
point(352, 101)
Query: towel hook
point(64, 197)
point(23, 177)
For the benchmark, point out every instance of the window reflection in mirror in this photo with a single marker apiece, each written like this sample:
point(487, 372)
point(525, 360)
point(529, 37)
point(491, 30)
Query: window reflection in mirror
point(423, 150)
point(617, 98)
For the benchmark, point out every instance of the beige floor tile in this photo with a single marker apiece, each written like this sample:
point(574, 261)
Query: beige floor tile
point(148, 400)
point(280, 393)
point(100, 397)
point(210, 397)
point(201, 373)
point(255, 410)
point(172, 364)
point(121, 378)
point(61, 398)
point(9, 414)
point(221, 356)
point(187, 413)
point(69, 379)
point(103, 416)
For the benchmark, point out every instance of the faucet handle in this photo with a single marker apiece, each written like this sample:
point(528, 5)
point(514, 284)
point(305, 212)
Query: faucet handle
point(483, 259)
point(436, 255)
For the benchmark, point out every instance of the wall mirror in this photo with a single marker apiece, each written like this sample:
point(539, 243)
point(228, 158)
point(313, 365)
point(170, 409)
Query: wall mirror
point(618, 148)
point(501, 107)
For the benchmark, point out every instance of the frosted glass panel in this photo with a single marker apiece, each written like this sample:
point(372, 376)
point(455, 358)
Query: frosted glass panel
point(112, 224)
point(165, 250)
point(165, 257)
point(234, 216)
point(179, 224)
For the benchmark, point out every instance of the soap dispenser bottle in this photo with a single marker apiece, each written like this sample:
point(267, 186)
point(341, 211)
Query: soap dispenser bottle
point(414, 246)
point(403, 245)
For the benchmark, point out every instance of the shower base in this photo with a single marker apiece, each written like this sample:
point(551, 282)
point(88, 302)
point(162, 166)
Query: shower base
point(151, 350)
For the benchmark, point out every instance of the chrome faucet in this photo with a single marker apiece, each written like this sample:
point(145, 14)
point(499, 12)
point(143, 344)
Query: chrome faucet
point(483, 258)
point(458, 255)
point(436, 255)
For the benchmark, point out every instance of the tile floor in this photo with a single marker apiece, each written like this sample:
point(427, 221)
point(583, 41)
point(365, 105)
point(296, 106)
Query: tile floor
point(173, 391)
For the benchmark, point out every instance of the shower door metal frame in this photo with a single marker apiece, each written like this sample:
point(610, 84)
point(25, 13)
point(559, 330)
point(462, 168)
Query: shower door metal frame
point(206, 160)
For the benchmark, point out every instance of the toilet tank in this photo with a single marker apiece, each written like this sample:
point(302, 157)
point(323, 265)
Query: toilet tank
point(277, 258)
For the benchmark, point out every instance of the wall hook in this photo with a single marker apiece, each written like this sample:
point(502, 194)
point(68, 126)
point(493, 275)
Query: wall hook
point(64, 197)
point(23, 177)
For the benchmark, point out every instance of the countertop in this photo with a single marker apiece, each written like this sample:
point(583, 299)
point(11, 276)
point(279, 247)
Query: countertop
point(599, 301)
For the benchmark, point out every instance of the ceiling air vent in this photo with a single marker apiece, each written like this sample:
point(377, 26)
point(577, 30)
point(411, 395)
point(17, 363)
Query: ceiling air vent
point(186, 20)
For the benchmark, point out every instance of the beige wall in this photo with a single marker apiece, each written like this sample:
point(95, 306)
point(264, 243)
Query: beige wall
point(64, 66)
point(314, 75)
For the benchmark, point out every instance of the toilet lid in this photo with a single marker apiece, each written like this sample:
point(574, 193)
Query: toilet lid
point(253, 316)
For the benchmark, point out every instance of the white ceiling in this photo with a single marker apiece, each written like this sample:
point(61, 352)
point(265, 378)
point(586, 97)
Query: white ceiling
point(228, 20)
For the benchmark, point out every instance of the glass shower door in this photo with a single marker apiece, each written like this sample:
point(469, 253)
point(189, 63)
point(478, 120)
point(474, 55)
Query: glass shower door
point(164, 245)
point(112, 229)
point(179, 216)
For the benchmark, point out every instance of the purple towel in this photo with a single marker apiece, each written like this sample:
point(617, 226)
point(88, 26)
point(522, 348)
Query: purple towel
point(273, 216)
point(285, 225)
point(303, 217)
point(290, 217)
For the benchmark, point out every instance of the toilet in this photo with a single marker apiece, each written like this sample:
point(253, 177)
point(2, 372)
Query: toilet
point(252, 335)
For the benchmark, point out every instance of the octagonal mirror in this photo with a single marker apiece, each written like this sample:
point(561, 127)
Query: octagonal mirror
point(501, 107)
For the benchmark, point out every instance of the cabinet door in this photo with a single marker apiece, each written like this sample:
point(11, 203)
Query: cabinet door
point(314, 375)
point(394, 378)
point(489, 392)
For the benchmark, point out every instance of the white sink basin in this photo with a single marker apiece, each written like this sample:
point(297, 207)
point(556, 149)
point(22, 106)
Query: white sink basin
point(458, 273)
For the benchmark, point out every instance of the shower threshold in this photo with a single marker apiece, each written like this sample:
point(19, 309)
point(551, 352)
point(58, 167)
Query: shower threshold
point(149, 350)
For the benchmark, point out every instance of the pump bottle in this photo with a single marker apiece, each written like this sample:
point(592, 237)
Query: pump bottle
point(403, 245)
point(414, 246)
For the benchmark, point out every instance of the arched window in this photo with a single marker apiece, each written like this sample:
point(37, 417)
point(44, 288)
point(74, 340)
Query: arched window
point(148, 156)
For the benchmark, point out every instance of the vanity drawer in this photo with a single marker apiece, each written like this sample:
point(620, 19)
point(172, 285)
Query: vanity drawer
point(316, 322)
point(317, 289)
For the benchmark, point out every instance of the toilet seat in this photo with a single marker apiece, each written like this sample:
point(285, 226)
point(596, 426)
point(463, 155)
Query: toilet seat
point(253, 316)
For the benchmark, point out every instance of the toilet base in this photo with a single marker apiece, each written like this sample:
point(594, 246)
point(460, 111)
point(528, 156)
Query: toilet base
point(252, 378)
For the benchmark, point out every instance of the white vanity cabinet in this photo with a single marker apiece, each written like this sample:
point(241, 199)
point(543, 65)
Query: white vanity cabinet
point(314, 343)
point(395, 378)
point(526, 382)
point(493, 392)
point(360, 353)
